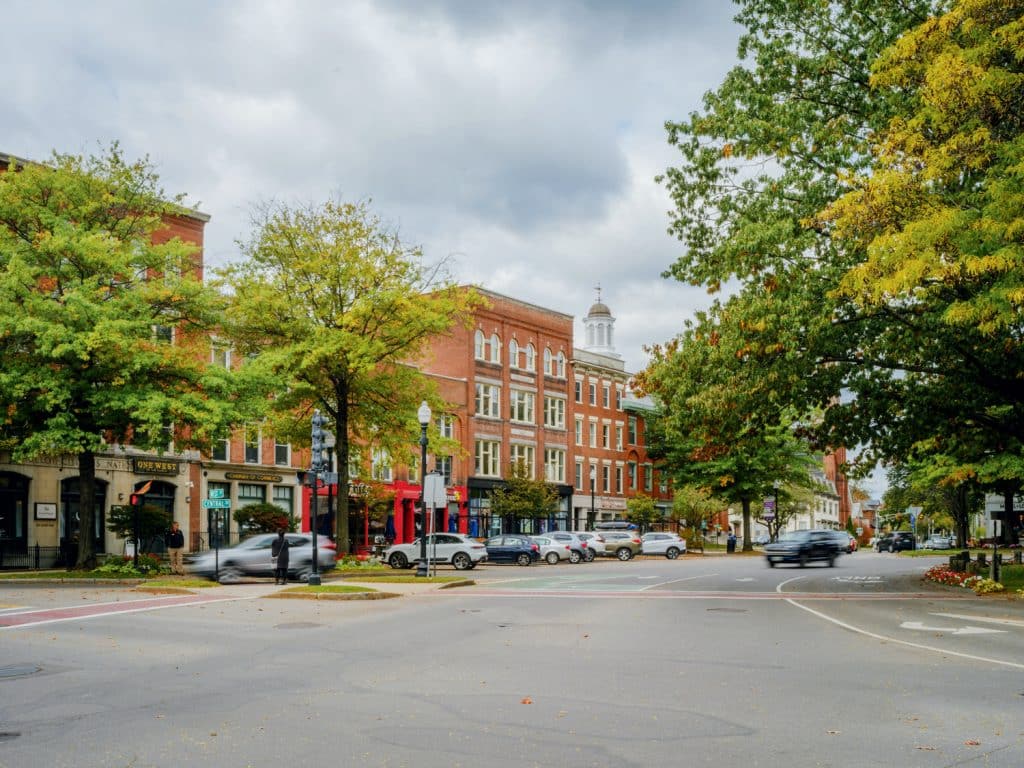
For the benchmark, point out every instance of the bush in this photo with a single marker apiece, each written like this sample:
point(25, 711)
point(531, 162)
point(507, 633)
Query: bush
point(124, 567)
point(263, 518)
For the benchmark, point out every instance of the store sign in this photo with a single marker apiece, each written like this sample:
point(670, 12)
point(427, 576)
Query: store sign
point(256, 477)
point(155, 466)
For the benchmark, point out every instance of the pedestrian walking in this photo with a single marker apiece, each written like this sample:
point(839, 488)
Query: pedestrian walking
point(279, 553)
point(175, 541)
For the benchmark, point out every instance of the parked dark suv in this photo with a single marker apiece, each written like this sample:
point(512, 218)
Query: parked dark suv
point(803, 547)
point(896, 541)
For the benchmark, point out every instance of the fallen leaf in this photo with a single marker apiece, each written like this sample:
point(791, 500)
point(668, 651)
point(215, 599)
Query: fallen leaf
point(923, 747)
point(833, 733)
point(527, 700)
point(972, 743)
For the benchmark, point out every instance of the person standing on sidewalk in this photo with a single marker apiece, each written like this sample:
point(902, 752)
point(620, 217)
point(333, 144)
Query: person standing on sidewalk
point(175, 541)
point(279, 553)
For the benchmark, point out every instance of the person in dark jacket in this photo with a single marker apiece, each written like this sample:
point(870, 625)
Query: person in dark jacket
point(279, 551)
point(175, 541)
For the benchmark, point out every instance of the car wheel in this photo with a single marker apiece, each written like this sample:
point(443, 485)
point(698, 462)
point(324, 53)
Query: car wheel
point(230, 574)
point(523, 559)
point(461, 561)
point(892, 548)
point(302, 574)
point(672, 553)
point(590, 556)
point(574, 556)
point(624, 554)
point(552, 558)
point(803, 560)
point(771, 563)
point(832, 561)
point(398, 561)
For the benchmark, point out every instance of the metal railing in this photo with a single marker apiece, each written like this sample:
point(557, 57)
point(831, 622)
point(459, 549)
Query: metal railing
point(33, 558)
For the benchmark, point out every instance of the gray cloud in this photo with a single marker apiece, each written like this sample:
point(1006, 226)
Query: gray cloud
point(520, 138)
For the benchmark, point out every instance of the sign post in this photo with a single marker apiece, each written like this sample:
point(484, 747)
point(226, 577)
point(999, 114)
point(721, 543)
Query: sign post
point(220, 506)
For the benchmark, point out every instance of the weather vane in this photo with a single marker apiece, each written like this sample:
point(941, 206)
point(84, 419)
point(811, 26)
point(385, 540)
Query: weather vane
point(598, 289)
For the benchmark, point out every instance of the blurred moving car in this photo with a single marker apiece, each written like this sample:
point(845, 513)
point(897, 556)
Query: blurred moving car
point(251, 557)
point(552, 552)
point(671, 545)
point(803, 547)
point(458, 549)
point(578, 548)
point(844, 541)
point(622, 544)
point(512, 548)
point(896, 541)
point(938, 542)
point(761, 539)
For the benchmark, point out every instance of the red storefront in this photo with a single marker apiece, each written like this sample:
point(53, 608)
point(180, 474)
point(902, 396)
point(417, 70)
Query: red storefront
point(400, 525)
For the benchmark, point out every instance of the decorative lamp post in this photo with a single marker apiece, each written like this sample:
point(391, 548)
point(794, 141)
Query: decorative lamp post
point(593, 490)
point(318, 440)
point(332, 478)
point(423, 414)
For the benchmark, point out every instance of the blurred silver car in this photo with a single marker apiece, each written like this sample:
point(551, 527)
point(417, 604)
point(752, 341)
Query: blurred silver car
point(552, 551)
point(671, 545)
point(251, 557)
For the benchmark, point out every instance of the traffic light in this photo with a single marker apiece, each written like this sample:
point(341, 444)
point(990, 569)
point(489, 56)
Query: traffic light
point(318, 440)
point(135, 499)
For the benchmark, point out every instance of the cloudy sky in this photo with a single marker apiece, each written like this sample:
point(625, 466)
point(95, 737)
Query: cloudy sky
point(521, 138)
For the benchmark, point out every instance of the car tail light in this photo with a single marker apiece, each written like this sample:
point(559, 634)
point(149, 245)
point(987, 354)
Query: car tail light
point(328, 545)
point(566, 547)
point(636, 541)
point(535, 547)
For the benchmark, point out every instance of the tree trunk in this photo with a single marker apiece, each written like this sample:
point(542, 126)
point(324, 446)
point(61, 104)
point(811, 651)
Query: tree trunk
point(748, 540)
point(960, 514)
point(86, 504)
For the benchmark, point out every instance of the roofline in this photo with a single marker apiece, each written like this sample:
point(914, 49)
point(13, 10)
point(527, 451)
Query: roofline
point(497, 295)
point(191, 213)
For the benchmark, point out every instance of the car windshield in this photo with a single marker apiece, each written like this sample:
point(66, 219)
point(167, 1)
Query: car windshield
point(794, 535)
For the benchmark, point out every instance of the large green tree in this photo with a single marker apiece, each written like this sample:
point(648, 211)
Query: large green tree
point(103, 324)
point(332, 303)
point(523, 497)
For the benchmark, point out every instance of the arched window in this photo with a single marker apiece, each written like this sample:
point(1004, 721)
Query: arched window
point(531, 358)
point(513, 354)
point(560, 365)
point(495, 348)
point(547, 361)
point(479, 351)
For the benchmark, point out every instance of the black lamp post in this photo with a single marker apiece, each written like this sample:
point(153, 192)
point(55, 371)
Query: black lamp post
point(593, 490)
point(423, 414)
point(318, 434)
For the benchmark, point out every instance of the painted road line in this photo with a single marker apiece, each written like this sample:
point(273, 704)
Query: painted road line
point(981, 619)
point(676, 581)
point(792, 600)
point(81, 612)
point(918, 625)
point(620, 594)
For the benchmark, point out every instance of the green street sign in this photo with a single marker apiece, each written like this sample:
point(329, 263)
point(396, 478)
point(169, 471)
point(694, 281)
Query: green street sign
point(216, 493)
point(216, 503)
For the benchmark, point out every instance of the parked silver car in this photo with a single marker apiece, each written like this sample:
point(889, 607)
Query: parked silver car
point(671, 545)
point(552, 552)
point(251, 557)
point(579, 548)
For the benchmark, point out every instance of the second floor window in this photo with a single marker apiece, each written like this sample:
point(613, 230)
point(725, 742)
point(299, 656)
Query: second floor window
point(252, 444)
point(604, 397)
point(220, 354)
point(579, 431)
point(554, 465)
point(380, 469)
point(221, 449)
point(605, 440)
point(593, 434)
point(606, 478)
point(579, 392)
point(593, 393)
point(522, 456)
point(487, 456)
point(554, 412)
point(618, 437)
point(522, 406)
point(632, 430)
point(579, 476)
point(488, 397)
point(283, 454)
point(446, 426)
point(618, 479)
point(631, 469)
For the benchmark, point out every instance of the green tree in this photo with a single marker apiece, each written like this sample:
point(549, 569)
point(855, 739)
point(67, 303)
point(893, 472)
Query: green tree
point(263, 518)
point(694, 507)
point(331, 302)
point(87, 281)
point(523, 497)
point(643, 511)
point(153, 522)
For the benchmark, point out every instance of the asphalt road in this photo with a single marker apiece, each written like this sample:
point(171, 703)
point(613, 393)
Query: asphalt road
point(700, 661)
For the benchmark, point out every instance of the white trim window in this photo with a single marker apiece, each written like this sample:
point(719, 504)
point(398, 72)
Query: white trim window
point(579, 430)
point(487, 458)
point(631, 469)
point(606, 478)
point(618, 480)
point(283, 455)
point(554, 412)
point(560, 365)
point(618, 437)
point(513, 354)
point(531, 358)
point(355, 463)
point(648, 477)
point(380, 467)
point(220, 354)
point(579, 475)
point(554, 465)
point(446, 426)
point(522, 406)
point(488, 400)
point(495, 348)
point(479, 345)
point(548, 368)
point(221, 449)
point(252, 444)
point(519, 454)
point(606, 436)
point(593, 434)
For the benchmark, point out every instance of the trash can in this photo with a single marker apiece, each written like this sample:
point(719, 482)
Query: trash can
point(730, 544)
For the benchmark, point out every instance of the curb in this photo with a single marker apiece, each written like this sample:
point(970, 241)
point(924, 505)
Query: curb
point(331, 595)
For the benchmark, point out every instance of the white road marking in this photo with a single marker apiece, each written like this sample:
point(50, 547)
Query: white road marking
point(951, 630)
point(746, 579)
point(876, 636)
point(676, 581)
point(982, 619)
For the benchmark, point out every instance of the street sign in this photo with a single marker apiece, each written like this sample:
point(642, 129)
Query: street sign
point(434, 494)
point(768, 515)
point(216, 503)
point(216, 493)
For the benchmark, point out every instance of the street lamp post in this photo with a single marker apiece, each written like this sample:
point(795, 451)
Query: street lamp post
point(423, 414)
point(593, 490)
point(319, 435)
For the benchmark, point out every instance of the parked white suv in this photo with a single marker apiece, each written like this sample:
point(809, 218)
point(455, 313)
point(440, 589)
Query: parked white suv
point(594, 542)
point(671, 545)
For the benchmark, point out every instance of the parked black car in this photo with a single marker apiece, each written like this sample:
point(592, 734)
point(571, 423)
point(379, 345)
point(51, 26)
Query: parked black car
point(803, 547)
point(896, 541)
point(512, 548)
